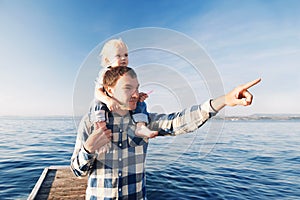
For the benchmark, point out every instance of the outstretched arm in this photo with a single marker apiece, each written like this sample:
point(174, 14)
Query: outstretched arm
point(191, 119)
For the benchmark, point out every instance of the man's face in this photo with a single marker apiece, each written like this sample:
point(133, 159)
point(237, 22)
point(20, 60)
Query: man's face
point(126, 91)
point(118, 57)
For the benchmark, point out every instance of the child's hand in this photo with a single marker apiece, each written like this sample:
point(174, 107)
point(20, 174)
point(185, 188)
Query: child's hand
point(113, 105)
point(142, 96)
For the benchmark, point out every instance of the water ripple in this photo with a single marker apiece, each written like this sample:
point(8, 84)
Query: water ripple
point(254, 160)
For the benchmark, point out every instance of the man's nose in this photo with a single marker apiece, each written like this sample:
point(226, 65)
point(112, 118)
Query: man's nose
point(135, 94)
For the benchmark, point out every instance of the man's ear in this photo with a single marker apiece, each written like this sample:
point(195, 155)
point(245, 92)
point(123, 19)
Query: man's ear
point(109, 91)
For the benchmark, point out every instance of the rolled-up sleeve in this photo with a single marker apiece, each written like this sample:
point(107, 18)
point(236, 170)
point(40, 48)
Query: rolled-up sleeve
point(81, 160)
point(185, 121)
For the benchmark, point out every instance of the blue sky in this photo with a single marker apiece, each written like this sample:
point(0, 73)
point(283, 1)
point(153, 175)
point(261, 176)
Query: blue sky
point(44, 43)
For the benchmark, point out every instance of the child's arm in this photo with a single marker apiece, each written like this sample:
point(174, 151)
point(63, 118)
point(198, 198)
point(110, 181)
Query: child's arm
point(111, 103)
point(143, 96)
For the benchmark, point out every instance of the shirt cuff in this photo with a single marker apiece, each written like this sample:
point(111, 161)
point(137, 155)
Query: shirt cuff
point(85, 156)
point(206, 106)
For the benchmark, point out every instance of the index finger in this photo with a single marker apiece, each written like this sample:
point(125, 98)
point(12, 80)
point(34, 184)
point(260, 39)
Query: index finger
point(251, 83)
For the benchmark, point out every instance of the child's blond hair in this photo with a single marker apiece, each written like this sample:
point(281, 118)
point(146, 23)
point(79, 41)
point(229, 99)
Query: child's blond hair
point(107, 49)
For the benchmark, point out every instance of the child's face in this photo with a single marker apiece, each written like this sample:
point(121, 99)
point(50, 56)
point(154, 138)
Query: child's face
point(118, 57)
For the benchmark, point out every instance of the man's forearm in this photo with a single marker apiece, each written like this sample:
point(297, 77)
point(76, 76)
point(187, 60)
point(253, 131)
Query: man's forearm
point(218, 103)
point(185, 121)
point(81, 160)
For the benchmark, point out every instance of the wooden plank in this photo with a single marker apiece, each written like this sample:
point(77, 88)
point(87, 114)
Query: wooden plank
point(59, 182)
point(38, 184)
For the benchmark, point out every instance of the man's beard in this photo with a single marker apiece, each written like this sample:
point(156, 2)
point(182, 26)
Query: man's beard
point(131, 105)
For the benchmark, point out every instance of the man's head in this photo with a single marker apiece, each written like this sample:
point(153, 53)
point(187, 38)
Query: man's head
point(121, 83)
point(114, 53)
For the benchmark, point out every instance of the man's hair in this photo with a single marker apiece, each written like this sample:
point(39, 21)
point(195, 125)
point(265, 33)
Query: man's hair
point(112, 75)
point(108, 47)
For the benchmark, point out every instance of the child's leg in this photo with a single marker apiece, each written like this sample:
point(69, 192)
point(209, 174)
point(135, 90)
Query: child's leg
point(100, 117)
point(142, 131)
point(141, 119)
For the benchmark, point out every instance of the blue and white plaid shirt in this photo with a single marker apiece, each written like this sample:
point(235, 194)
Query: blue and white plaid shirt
point(120, 173)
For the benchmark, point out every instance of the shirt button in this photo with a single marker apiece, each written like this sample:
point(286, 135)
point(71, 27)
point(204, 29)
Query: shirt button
point(121, 130)
point(120, 144)
point(120, 159)
point(120, 189)
point(120, 174)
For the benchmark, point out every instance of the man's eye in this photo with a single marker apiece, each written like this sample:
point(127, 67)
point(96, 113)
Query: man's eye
point(126, 55)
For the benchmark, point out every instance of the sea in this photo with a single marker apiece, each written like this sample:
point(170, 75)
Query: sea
point(257, 158)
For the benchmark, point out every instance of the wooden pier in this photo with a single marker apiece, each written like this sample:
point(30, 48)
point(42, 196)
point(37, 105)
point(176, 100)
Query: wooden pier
point(58, 182)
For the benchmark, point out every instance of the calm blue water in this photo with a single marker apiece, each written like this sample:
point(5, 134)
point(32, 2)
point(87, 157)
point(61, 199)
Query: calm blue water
point(251, 160)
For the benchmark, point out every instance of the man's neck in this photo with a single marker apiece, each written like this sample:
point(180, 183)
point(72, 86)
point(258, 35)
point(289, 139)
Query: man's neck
point(121, 112)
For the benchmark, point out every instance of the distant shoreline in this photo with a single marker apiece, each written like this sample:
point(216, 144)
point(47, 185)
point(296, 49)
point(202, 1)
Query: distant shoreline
point(259, 117)
point(254, 117)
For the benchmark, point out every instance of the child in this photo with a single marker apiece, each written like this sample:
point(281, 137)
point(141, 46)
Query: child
point(115, 53)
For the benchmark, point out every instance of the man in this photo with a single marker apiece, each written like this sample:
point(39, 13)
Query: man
point(120, 173)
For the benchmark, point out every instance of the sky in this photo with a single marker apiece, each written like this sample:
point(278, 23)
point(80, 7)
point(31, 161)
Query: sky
point(46, 47)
